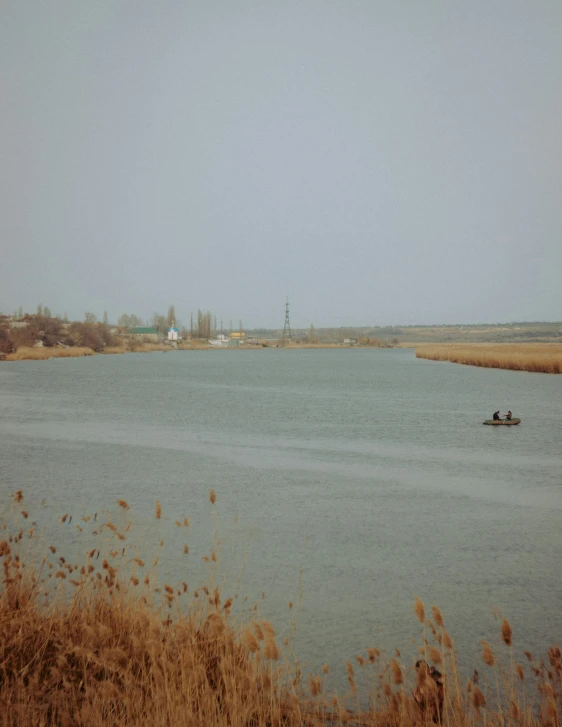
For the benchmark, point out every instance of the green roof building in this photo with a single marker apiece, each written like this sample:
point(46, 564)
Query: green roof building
point(144, 332)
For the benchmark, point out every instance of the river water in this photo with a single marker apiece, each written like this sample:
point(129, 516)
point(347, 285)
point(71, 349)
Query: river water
point(347, 481)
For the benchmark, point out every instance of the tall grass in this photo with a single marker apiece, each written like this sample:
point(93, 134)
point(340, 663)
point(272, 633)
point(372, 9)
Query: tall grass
point(145, 346)
point(42, 353)
point(543, 358)
point(99, 642)
point(132, 345)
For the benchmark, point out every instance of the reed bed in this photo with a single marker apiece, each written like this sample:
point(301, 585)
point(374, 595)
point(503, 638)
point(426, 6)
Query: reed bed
point(194, 344)
point(102, 643)
point(542, 358)
point(115, 349)
point(145, 346)
point(42, 353)
point(132, 346)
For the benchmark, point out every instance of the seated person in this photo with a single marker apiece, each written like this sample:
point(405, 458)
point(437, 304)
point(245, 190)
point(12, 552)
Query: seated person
point(508, 416)
point(496, 415)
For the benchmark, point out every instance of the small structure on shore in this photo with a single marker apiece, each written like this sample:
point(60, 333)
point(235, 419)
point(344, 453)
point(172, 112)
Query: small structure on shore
point(173, 332)
point(145, 332)
point(220, 341)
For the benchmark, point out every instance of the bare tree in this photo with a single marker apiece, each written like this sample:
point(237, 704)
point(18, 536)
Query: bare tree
point(129, 321)
point(160, 323)
point(171, 316)
point(90, 317)
point(203, 324)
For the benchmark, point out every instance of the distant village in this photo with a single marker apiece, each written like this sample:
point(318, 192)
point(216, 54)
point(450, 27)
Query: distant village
point(42, 329)
point(23, 331)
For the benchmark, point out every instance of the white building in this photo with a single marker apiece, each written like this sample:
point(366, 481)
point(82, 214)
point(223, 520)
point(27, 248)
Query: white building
point(220, 340)
point(173, 333)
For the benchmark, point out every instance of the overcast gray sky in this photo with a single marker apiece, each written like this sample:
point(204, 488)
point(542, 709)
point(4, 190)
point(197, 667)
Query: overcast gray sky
point(377, 162)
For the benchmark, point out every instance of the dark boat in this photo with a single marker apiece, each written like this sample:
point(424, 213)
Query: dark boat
point(507, 422)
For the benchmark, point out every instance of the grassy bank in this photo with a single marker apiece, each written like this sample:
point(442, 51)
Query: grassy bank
point(43, 353)
point(544, 358)
point(31, 353)
point(102, 642)
point(131, 345)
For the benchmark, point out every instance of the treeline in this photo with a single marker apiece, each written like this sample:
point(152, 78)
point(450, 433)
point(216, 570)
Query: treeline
point(202, 325)
point(43, 330)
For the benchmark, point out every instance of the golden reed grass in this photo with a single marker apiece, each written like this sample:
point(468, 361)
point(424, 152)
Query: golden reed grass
point(536, 357)
point(99, 643)
point(130, 345)
point(42, 353)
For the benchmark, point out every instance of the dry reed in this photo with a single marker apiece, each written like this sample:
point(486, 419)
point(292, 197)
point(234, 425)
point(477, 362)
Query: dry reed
point(43, 353)
point(535, 357)
point(506, 632)
point(88, 644)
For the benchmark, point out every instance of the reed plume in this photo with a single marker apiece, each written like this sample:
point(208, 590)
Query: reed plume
point(438, 616)
point(397, 676)
point(314, 685)
point(252, 644)
point(419, 610)
point(478, 699)
point(434, 654)
point(506, 632)
point(487, 654)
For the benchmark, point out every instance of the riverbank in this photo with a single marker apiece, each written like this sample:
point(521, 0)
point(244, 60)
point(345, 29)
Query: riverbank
point(534, 357)
point(102, 642)
point(44, 353)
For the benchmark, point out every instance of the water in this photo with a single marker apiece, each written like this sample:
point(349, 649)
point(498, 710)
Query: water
point(367, 474)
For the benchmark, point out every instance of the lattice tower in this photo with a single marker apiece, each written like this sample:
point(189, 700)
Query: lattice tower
point(287, 326)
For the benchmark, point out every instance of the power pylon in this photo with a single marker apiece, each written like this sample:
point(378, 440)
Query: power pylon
point(287, 326)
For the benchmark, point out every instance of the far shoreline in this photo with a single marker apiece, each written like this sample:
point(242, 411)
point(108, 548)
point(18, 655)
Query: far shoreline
point(44, 353)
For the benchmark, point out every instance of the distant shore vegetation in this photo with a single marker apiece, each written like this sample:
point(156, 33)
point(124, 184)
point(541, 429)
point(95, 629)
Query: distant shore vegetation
point(100, 640)
point(41, 336)
point(535, 357)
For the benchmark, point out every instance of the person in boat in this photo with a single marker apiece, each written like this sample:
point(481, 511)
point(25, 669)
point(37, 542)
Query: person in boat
point(496, 415)
point(508, 416)
point(429, 695)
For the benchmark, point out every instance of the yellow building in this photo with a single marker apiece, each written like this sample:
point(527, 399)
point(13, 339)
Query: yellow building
point(237, 336)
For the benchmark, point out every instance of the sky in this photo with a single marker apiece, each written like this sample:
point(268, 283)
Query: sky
point(378, 163)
